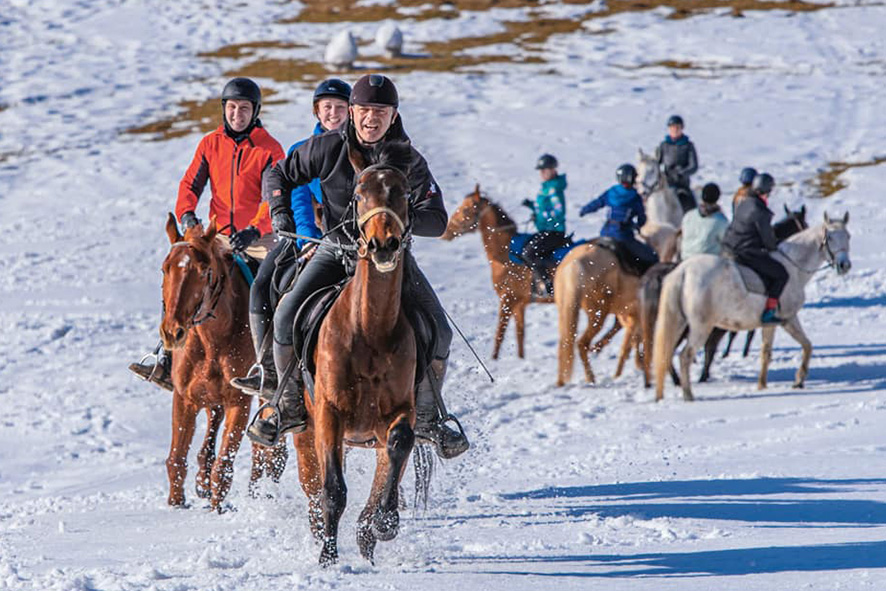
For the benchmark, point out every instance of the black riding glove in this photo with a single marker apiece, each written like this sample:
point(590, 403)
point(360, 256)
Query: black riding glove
point(242, 239)
point(189, 220)
point(283, 222)
point(528, 203)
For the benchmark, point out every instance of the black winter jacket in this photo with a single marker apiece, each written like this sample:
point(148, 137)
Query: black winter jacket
point(679, 159)
point(751, 229)
point(325, 157)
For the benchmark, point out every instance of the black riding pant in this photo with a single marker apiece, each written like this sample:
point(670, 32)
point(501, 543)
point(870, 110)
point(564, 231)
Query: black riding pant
point(326, 268)
point(276, 268)
point(773, 274)
point(641, 252)
point(538, 248)
point(684, 194)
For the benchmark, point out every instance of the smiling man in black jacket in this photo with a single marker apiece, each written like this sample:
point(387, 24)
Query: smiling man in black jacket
point(373, 119)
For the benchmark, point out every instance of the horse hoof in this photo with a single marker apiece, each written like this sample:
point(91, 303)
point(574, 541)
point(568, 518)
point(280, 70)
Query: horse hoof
point(386, 526)
point(798, 385)
point(203, 492)
point(328, 558)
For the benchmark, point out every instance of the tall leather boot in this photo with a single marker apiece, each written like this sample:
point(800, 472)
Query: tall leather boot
point(289, 415)
point(159, 372)
point(262, 377)
point(430, 422)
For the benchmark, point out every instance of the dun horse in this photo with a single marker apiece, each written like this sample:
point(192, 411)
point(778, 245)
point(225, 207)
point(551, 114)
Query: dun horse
point(590, 278)
point(707, 291)
point(205, 324)
point(365, 368)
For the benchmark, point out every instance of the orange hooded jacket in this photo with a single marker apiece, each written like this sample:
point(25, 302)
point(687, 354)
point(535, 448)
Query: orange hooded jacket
point(234, 174)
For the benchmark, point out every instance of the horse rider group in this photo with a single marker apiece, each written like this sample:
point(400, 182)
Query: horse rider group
point(263, 193)
point(749, 238)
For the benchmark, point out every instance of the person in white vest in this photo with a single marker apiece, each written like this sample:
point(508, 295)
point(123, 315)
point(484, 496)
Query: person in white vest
point(704, 227)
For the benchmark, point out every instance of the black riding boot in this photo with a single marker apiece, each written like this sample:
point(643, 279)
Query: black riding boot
point(262, 377)
point(289, 415)
point(159, 372)
point(430, 424)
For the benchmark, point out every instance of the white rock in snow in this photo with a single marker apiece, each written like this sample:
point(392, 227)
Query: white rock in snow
point(342, 50)
point(390, 38)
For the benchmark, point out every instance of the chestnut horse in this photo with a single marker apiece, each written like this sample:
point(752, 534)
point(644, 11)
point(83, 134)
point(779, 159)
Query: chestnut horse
point(205, 325)
point(590, 278)
point(512, 281)
point(365, 363)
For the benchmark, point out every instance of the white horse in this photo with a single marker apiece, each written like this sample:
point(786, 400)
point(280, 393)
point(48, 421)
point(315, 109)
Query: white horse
point(707, 291)
point(662, 204)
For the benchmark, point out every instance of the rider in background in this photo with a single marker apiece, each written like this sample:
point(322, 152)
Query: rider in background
point(677, 155)
point(750, 238)
point(704, 227)
point(745, 178)
point(232, 158)
point(549, 210)
point(626, 214)
point(374, 119)
point(331, 111)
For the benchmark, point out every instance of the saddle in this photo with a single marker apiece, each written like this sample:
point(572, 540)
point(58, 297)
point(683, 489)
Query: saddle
point(749, 277)
point(626, 260)
point(310, 315)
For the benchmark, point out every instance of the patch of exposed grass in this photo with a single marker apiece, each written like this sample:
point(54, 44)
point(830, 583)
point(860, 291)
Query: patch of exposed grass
point(239, 50)
point(828, 182)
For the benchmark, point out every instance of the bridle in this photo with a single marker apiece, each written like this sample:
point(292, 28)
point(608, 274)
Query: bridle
point(212, 291)
point(825, 245)
point(362, 240)
point(648, 189)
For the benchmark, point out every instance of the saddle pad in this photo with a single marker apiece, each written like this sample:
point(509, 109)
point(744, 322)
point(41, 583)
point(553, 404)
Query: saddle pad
point(519, 241)
point(752, 281)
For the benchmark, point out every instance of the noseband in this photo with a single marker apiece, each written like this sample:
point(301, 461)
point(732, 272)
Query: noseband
point(362, 219)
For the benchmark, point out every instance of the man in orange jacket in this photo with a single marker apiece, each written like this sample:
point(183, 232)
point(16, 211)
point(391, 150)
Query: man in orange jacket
point(232, 158)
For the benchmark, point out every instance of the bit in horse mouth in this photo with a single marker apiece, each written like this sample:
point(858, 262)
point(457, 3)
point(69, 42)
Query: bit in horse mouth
point(385, 266)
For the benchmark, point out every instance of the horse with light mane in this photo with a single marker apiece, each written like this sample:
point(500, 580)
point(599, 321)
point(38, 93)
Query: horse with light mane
point(708, 291)
point(205, 325)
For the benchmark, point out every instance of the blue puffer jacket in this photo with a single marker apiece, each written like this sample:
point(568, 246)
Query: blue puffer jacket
point(302, 201)
point(625, 205)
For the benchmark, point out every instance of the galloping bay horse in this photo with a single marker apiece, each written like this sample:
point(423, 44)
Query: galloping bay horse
point(205, 325)
point(365, 363)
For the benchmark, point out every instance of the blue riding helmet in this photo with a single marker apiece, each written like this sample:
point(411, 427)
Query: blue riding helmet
point(747, 176)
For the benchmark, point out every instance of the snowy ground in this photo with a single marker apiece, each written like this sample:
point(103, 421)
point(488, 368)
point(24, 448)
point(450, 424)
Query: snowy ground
point(580, 487)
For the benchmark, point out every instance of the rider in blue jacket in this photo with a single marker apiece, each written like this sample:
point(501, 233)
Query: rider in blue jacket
point(626, 214)
point(331, 110)
point(549, 209)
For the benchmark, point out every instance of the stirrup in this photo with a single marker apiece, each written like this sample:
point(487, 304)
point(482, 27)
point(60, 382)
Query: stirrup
point(256, 369)
point(253, 432)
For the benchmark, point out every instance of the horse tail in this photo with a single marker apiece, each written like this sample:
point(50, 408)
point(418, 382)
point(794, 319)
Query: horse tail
point(669, 326)
point(567, 296)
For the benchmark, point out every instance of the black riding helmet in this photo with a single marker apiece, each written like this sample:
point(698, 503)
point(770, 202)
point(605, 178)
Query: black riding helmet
point(333, 88)
point(747, 176)
point(243, 89)
point(763, 184)
point(626, 174)
point(675, 120)
point(375, 90)
point(546, 161)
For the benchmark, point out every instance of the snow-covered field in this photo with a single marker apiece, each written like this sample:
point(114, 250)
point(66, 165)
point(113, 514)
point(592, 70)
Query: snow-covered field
point(575, 488)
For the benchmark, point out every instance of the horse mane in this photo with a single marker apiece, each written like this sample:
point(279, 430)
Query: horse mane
point(393, 154)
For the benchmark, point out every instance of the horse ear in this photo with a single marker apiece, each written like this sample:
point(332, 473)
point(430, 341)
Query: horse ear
point(211, 231)
point(172, 229)
point(803, 211)
point(476, 193)
point(846, 218)
point(827, 218)
point(641, 155)
point(786, 210)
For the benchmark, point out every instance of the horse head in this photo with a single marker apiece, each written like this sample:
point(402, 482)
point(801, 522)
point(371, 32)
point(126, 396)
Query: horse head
point(192, 281)
point(836, 243)
point(381, 191)
point(648, 172)
point(466, 217)
point(793, 222)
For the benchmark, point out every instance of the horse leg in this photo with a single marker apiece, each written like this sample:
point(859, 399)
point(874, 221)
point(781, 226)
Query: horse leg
point(595, 323)
point(380, 519)
point(710, 349)
point(732, 334)
point(333, 498)
point(504, 315)
point(310, 479)
point(795, 329)
point(686, 356)
point(520, 321)
point(765, 356)
point(606, 338)
point(184, 417)
point(747, 344)
point(236, 418)
point(630, 328)
point(206, 457)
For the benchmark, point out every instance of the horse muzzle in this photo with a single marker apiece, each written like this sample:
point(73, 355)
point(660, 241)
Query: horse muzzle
point(385, 255)
point(843, 265)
